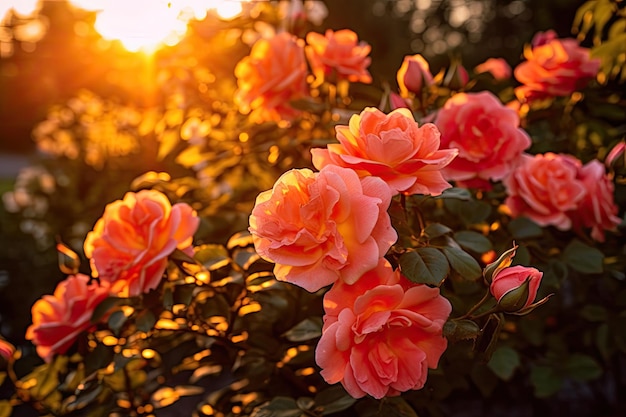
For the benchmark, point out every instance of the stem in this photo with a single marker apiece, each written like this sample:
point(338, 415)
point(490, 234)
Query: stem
point(476, 306)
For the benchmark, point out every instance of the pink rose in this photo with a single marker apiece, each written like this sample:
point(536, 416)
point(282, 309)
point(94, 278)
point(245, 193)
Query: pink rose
point(339, 53)
point(545, 188)
point(270, 77)
point(554, 67)
point(597, 209)
point(321, 227)
point(515, 287)
point(59, 318)
point(413, 75)
point(497, 67)
point(129, 245)
point(456, 77)
point(390, 146)
point(381, 334)
point(486, 134)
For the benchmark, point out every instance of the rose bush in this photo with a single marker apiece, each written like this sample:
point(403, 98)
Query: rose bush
point(405, 286)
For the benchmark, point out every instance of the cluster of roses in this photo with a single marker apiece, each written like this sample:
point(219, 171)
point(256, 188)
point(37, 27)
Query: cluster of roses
point(550, 189)
point(128, 250)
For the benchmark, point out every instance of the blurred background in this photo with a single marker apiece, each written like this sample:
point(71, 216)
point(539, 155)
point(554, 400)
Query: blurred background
point(109, 62)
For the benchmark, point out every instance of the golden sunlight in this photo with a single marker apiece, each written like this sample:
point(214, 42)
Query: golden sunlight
point(147, 25)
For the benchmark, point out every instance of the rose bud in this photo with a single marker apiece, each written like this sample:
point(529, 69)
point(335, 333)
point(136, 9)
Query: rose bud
point(515, 288)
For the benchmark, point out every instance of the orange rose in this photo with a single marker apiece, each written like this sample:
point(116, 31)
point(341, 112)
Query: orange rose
point(554, 67)
point(130, 243)
point(339, 53)
point(270, 77)
point(597, 209)
point(486, 134)
point(381, 334)
point(59, 318)
point(319, 227)
point(392, 147)
point(497, 67)
point(545, 188)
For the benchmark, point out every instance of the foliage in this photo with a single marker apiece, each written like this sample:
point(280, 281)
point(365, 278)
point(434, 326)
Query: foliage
point(222, 336)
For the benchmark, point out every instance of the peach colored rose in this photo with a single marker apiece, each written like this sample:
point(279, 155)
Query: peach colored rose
point(59, 318)
point(508, 287)
point(545, 188)
point(270, 77)
point(597, 209)
point(390, 146)
point(554, 67)
point(131, 242)
point(321, 227)
point(486, 134)
point(381, 334)
point(497, 67)
point(338, 54)
point(6, 349)
point(413, 75)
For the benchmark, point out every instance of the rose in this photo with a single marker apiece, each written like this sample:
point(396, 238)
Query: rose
point(545, 188)
point(554, 67)
point(270, 77)
point(59, 318)
point(6, 349)
point(340, 53)
point(456, 77)
point(130, 243)
point(413, 75)
point(486, 134)
point(390, 146)
point(597, 209)
point(515, 287)
point(321, 227)
point(497, 67)
point(381, 334)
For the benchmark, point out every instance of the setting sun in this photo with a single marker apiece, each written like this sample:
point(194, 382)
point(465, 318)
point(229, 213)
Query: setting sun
point(148, 24)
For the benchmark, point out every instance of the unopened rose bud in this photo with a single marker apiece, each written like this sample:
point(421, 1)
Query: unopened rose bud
point(414, 75)
point(457, 77)
point(6, 349)
point(515, 287)
point(504, 261)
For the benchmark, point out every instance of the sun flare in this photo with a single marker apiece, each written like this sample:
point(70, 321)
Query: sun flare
point(147, 25)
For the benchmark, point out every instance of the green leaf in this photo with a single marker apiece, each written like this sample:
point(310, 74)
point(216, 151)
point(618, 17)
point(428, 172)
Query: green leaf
point(307, 329)
point(145, 321)
point(583, 258)
point(463, 263)
point(435, 230)
point(484, 379)
point(524, 228)
point(504, 362)
point(105, 307)
point(425, 266)
point(545, 380)
point(582, 367)
point(116, 321)
point(490, 333)
point(334, 399)
point(278, 407)
point(389, 407)
point(456, 330)
point(241, 239)
point(473, 241)
point(212, 256)
point(456, 193)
